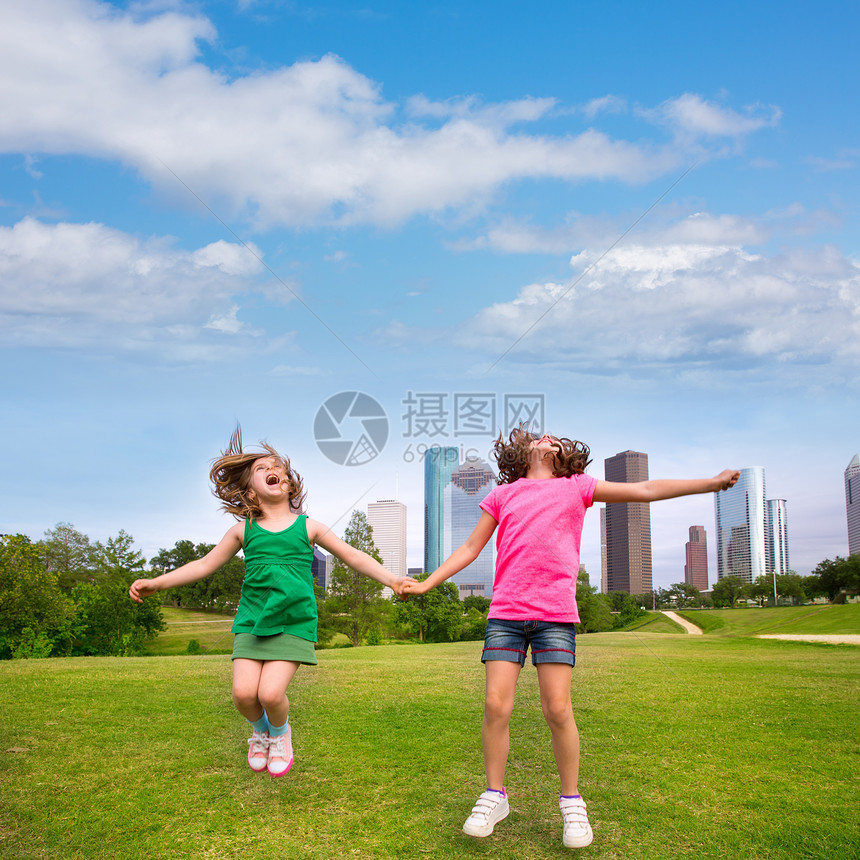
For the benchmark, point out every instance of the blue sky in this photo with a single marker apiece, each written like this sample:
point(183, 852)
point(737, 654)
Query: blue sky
point(232, 211)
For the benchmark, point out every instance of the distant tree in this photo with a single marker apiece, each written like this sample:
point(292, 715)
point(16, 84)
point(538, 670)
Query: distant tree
point(474, 624)
point(35, 615)
point(436, 616)
point(761, 590)
point(683, 594)
point(476, 601)
point(838, 575)
point(68, 553)
point(790, 585)
point(728, 590)
point(628, 607)
point(109, 622)
point(355, 601)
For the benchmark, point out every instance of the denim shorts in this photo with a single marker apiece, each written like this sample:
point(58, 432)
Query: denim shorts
point(551, 641)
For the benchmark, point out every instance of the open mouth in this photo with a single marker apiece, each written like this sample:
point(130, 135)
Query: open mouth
point(273, 480)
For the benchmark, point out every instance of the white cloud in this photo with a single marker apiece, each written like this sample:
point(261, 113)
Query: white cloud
point(512, 237)
point(686, 304)
point(691, 114)
point(605, 104)
point(74, 284)
point(314, 141)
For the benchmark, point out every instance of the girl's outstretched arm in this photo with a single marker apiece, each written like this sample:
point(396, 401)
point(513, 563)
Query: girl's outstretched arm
point(195, 570)
point(460, 558)
point(657, 490)
point(352, 557)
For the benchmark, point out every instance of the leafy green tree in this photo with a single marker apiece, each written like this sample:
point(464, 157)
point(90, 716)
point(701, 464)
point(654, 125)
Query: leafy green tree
point(760, 590)
point(109, 622)
point(436, 616)
point(838, 575)
point(728, 590)
point(595, 615)
point(68, 553)
point(474, 624)
point(628, 607)
point(476, 601)
point(35, 614)
point(683, 594)
point(355, 602)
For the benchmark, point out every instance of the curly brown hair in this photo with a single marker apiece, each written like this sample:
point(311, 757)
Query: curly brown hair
point(512, 455)
point(231, 474)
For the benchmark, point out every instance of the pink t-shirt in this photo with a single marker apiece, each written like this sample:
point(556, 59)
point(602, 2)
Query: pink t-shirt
point(537, 546)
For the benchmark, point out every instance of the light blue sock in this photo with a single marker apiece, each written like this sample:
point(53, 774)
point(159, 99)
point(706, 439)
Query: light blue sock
point(277, 731)
point(261, 725)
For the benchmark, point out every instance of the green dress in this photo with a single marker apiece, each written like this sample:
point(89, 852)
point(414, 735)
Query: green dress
point(278, 590)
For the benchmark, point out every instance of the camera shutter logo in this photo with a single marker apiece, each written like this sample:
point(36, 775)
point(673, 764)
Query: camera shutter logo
point(351, 428)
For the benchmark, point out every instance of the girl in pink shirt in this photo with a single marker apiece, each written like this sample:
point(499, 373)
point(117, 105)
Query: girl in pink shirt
point(539, 507)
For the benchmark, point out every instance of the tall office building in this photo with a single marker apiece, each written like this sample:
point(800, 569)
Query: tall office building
point(741, 519)
point(387, 518)
point(321, 568)
point(696, 566)
point(439, 463)
point(461, 501)
point(852, 504)
point(777, 537)
point(628, 528)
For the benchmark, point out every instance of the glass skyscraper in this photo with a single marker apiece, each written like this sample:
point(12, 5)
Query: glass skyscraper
point(777, 537)
point(741, 518)
point(439, 463)
point(461, 500)
point(852, 504)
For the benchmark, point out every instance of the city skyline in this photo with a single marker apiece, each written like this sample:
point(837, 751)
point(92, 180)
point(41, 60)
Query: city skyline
point(236, 212)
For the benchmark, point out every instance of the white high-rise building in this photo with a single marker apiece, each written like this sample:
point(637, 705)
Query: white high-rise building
point(741, 515)
point(777, 537)
point(467, 487)
point(852, 504)
point(387, 518)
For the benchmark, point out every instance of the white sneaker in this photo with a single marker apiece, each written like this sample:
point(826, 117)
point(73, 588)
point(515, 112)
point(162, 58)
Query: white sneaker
point(281, 753)
point(258, 751)
point(577, 830)
point(491, 808)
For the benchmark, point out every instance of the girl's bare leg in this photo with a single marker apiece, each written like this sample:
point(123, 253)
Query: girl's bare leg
point(499, 702)
point(246, 682)
point(272, 690)
point(554, 681)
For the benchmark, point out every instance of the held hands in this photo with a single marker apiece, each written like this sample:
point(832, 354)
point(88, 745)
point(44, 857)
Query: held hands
point(412, 586)
point(726, 479)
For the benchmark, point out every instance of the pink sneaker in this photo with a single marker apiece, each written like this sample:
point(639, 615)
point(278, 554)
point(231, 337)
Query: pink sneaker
point(258, 751)
point(281, 753)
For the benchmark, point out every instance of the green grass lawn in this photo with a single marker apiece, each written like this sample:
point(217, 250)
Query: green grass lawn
point(693, 747)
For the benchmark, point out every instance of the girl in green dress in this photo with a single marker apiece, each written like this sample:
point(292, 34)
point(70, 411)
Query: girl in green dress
point(276, 622)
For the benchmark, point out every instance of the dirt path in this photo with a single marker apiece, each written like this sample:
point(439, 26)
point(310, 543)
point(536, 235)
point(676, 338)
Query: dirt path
point(832, 639)
point(690, 628)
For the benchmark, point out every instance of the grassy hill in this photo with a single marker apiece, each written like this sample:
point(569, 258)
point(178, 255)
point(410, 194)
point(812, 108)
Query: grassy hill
point(784, 619)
